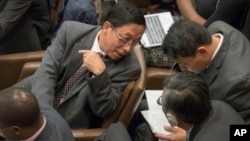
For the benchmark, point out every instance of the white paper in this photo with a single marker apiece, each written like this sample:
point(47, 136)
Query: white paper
point(152, 96)
point(156, 120)
point(155, 116)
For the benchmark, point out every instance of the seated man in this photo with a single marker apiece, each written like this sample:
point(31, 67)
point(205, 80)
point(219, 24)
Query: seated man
point(24, 25)
point(22, 119)
point(186, 97)
point(219, 54)
point(83, 103)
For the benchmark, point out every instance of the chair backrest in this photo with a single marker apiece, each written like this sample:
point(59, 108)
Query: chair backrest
point(28, 69)
point(156, 76)
point(13, 64)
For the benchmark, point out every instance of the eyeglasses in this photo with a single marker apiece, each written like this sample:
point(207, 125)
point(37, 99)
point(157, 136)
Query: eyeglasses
point(159, 100)
point(124, 41)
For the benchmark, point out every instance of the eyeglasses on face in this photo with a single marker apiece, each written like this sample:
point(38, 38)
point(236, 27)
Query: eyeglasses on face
point(159, 100)
point(124, 41)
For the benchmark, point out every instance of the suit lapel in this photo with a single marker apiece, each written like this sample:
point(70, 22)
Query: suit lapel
point(210, 74)
point(86, 42)
point(76, 61)
point(71, 65)
point(83, 82)
point(216, 63)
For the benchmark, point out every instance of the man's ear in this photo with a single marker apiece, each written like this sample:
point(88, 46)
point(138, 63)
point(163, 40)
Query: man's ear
point(17, 130)
point(172, 119)
point(202, 51)
point(106, 25)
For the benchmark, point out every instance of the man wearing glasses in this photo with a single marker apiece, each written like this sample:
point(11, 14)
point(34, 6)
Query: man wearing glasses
point(185, 102)
point(77, 45)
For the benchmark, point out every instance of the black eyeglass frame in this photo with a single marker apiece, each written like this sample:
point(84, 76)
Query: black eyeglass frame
point(122, 40)
point(159, 100)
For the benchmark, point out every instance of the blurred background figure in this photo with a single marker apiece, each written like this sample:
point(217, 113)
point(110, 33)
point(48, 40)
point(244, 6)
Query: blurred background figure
point(206, 12)
point(76, 10)
point(24, 25)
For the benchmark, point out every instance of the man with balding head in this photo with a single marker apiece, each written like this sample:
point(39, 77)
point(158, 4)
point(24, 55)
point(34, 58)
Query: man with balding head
point(22, 119)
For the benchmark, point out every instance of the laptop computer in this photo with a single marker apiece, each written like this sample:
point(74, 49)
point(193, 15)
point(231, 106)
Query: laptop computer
point(157, 26)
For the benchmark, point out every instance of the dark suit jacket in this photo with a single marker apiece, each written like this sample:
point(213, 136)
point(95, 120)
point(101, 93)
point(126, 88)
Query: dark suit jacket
point(56, 128)
point(217, 126)
point(228, 75)
point(92, 98)
point(115, 132)
point(24, 25)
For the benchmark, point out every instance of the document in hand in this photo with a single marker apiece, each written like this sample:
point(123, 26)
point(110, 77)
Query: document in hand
point(156, 120)
point(155, 116)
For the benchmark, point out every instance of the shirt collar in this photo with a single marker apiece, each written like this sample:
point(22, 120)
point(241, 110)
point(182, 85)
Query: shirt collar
point(188, 133)
point(96, 46)
point(218, 47)
point(33, 137)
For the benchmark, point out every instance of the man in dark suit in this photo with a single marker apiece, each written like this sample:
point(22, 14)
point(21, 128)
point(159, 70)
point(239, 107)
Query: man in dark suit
point(219, 54)
point(21, 118)
point(24, 25)
point(98, 92)
point(186, 100)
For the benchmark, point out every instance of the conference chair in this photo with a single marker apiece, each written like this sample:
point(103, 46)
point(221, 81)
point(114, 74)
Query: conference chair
point(155, 77)
point(15, 67)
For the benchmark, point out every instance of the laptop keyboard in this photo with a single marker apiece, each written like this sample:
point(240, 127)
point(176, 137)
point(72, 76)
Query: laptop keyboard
point(154, 30)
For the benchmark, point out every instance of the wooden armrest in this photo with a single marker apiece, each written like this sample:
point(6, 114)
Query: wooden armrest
point(87, 134)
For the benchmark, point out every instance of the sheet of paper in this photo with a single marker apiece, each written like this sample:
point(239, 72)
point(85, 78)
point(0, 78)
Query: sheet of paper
point(156, 120)
point(155, 116)
point(152, 96)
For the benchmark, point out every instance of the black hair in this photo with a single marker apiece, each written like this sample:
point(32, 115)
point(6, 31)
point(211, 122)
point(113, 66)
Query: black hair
point(184, 37)
point(124, 12)
point(186, 96)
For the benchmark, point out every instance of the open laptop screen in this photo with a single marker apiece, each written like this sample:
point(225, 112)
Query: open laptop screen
point(157, 26)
